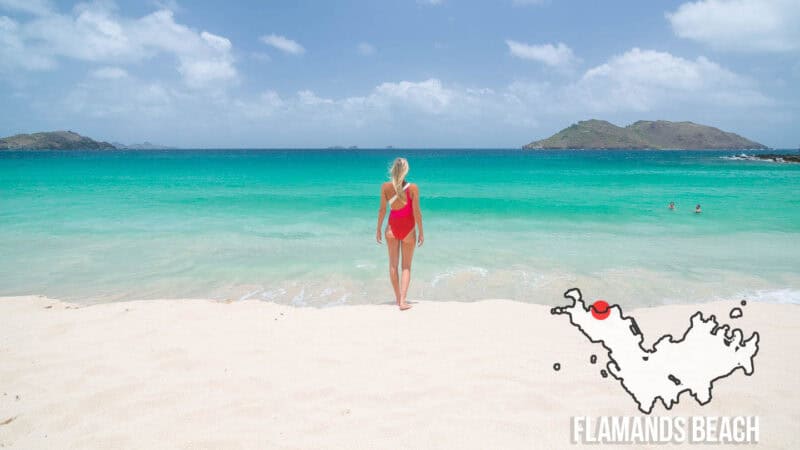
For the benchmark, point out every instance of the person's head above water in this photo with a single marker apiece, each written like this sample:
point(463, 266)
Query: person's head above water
point(397, 173)
point(697, 208)
point(671, 205)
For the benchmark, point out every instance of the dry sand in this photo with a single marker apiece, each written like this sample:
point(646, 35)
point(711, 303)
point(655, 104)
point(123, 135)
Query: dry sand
point(201, 374)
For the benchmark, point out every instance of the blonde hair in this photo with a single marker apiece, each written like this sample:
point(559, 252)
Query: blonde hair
point(397, 174)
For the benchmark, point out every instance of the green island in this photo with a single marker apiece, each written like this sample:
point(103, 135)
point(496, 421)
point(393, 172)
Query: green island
point(52, 140)
point(68, 140)
point(644, 135)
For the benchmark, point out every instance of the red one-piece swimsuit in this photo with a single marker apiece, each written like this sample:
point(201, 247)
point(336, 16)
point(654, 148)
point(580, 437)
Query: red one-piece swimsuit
point(401, 221)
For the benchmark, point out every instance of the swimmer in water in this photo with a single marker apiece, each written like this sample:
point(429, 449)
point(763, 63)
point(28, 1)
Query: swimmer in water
point(697, 209)
point(672, 206)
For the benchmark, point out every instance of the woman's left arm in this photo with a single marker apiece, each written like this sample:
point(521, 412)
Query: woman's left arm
point(381, 215)
point(418, 216)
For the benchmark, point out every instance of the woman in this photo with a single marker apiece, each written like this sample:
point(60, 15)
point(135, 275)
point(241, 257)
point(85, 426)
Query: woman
point(403, 199)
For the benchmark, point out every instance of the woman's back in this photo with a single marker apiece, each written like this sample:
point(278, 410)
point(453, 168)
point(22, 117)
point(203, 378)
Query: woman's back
point(400, 200)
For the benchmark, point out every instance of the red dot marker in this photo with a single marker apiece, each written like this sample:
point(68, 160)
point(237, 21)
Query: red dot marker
point(600, 310)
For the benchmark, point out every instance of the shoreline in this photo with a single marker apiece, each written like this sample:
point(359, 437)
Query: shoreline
point(765, 297)
point(199, 373)
point(775, 295)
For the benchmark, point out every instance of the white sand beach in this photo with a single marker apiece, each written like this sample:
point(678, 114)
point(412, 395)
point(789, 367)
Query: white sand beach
point(199, 374)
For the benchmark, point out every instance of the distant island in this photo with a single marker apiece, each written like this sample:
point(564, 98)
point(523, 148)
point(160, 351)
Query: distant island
point(644, 134)
point(52, 140)
point(143, 146)
point(66, 140)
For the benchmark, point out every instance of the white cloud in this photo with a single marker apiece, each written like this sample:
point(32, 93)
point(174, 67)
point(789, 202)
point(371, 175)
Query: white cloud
point(263, 107)
point(408, 105)
point(203, 69)
point(740, 25)
point(283, 44)
point(91, 35)
point(109, 73)
point(205, 59)
point(428, 96)
point(171, 5)
point(199, 73)
point(365, 49)
point(308, 97)
point(37, 7)
point(644, 80)
point(430, 2)
point(94, 33)
point(558, 55)
point(122, 98)
point(217, 42)
point(636, 82)
point(13, 52)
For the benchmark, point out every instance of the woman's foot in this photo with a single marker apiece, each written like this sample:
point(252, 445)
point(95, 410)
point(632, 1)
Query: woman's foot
point(404, 306)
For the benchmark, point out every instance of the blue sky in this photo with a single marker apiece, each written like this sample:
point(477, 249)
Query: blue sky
point(407, 73)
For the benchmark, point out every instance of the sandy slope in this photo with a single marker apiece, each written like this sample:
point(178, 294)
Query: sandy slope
point(199, 374)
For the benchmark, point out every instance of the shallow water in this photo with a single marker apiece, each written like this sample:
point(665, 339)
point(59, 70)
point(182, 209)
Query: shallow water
point(297, 226)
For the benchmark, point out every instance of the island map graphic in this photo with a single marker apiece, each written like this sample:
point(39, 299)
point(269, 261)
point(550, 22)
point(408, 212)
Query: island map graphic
point(708, 351)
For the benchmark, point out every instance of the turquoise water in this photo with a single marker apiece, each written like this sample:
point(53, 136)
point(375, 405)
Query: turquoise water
point(297, 226)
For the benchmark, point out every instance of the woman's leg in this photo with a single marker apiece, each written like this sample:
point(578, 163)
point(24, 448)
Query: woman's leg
point(394, 257)
point(408, 253)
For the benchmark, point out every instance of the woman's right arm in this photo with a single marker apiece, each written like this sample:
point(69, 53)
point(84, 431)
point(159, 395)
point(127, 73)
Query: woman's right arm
point(381, 215)
point(418, 217)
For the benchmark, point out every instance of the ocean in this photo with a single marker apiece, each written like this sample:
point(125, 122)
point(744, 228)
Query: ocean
point(298, 226)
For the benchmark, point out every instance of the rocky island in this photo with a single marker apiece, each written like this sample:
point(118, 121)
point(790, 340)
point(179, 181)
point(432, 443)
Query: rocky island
point(52, 140)
point(772, 157)
point(780, 158)
point(644, 134)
